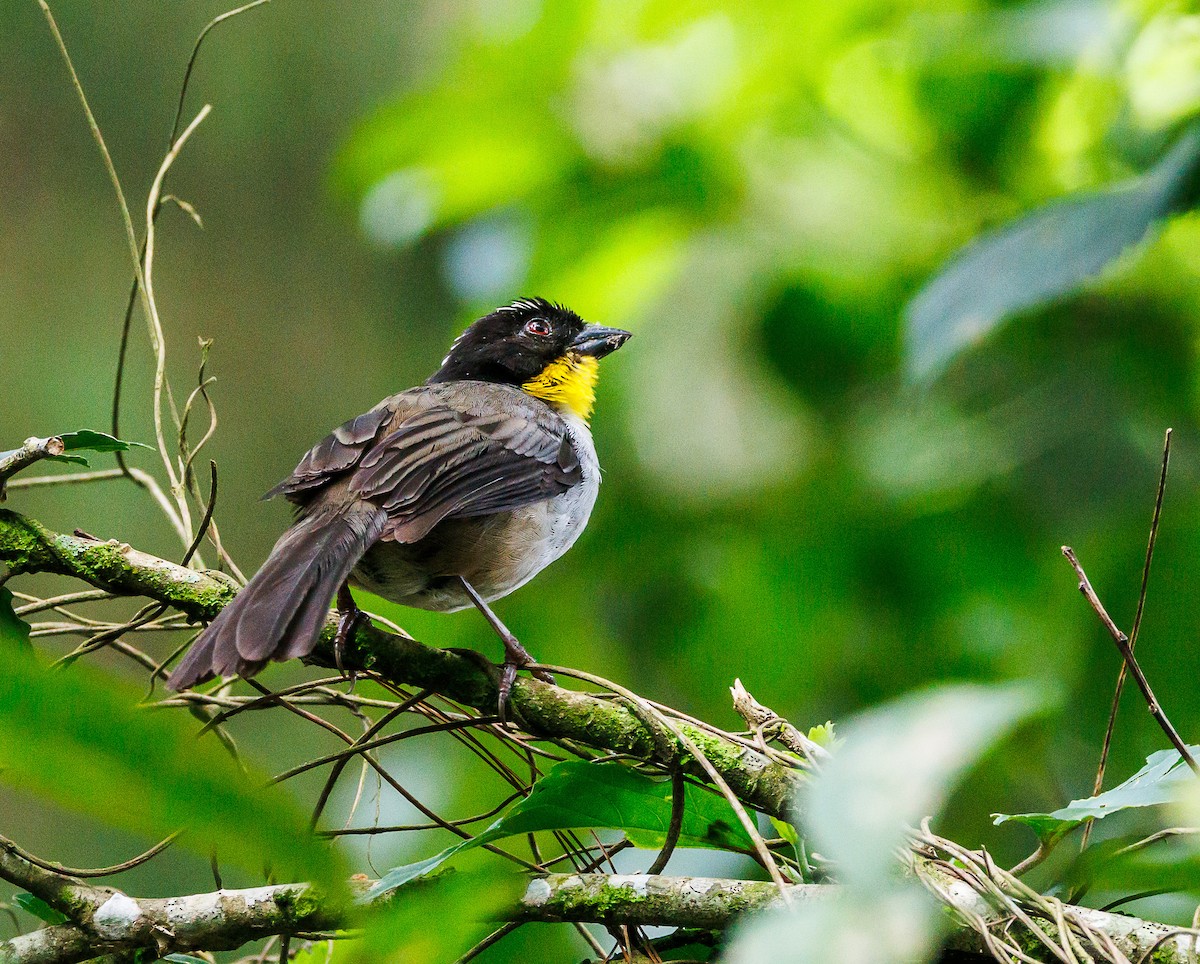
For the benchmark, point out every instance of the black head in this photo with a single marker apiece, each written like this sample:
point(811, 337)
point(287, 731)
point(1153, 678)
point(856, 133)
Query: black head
point(515, 343)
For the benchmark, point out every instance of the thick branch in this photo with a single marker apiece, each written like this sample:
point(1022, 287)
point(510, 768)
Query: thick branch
point(33, 450)
point(227, 919)
point(65, 895)
point(543, 709)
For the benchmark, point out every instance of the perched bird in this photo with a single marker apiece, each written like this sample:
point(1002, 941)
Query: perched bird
point(444, 496)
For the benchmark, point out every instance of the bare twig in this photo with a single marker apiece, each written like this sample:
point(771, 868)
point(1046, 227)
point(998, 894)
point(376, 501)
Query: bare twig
point(677, 797)
point(1139, 677)
point(759, 717)
point(1098, 784)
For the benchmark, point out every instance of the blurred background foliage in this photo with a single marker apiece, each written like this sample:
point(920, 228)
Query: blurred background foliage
point(757, 190)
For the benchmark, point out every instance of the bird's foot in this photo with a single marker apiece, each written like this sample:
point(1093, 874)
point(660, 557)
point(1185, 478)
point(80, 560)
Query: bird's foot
point(516, 657)
point(350, 617)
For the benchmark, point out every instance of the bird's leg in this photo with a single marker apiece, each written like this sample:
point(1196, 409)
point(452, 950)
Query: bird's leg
point(515, 655)
point(350, 617)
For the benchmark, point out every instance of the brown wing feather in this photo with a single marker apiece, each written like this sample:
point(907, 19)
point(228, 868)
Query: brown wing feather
point(446, 464)
point(334, 455)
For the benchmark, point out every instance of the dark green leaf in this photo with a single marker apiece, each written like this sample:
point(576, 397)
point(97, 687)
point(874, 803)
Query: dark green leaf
point(1043, 256)
point(1157, 783)
point(13, 629)
point(1170, 865)
point(69, 459)
point(577, 795)
point(76, 738)
point(39, 909)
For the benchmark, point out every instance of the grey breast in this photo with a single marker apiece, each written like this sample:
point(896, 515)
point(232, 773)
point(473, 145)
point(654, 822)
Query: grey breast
point(497, 553)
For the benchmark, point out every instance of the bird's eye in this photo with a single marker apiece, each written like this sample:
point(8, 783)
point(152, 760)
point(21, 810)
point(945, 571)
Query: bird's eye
point(538, 326)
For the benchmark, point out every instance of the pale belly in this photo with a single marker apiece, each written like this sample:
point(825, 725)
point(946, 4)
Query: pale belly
point(495, 553)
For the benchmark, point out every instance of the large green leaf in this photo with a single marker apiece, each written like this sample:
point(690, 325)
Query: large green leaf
point(1155, 784)
point(576, 795)
point(1042, 256)
point(86, 440)
point(77, 738)
point(897, 764)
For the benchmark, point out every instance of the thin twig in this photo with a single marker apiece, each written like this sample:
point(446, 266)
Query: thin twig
point(677, 797)
point(1139, 677)
point(1098, 784)
point(53, 867)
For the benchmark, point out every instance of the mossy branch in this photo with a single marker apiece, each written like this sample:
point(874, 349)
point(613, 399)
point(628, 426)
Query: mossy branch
point(26, 546)
point(227, 919)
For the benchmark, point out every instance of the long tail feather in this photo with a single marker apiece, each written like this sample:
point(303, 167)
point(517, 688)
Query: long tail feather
point(280, 612)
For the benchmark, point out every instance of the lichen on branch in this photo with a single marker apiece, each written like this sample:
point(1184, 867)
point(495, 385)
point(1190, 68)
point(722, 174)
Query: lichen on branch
point(543, 709)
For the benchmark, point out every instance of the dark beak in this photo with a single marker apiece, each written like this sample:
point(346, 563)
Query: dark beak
point(597, 341)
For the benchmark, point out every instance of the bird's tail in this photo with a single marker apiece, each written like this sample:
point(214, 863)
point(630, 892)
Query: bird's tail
point(280, 612)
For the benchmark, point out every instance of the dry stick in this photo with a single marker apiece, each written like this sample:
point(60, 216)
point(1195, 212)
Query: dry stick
point(677, 794)
point(370, 731)
point(158, 342)
point(1098, 785)
point(97, 871)
point(147, 481)
point(34, 481)
point(404, 828)
point(1139, 677)
point(138, 278)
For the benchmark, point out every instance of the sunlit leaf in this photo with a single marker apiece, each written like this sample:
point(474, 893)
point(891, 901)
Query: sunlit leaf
point(39, 909)
point(1155, 784)
point(1041, 257)
point(75, 738)
point(578, 795)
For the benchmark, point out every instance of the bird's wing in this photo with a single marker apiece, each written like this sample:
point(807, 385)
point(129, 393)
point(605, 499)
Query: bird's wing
point(444, 463)
point(334, 456)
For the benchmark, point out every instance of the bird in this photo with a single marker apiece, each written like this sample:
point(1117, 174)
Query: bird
point(448, 495)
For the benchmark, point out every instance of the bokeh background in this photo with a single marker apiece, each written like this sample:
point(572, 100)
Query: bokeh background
point(756, 190)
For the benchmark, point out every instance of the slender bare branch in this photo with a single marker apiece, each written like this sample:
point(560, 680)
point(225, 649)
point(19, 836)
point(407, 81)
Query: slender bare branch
point(1139, 677)
point(1098, 784)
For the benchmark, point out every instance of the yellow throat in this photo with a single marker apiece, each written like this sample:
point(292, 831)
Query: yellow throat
point(568, 382)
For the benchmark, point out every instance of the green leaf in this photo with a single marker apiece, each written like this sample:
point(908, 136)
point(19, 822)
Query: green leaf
point(785, 830)
point(88, 441)
point(1043, 256)
point(578, 795)
point(76, 738)
point(39, 909)
point(1169, 865)
point(1155, 784)
point(13, 629)
point(898, 763)
point(185, 959)
point(434, 921)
